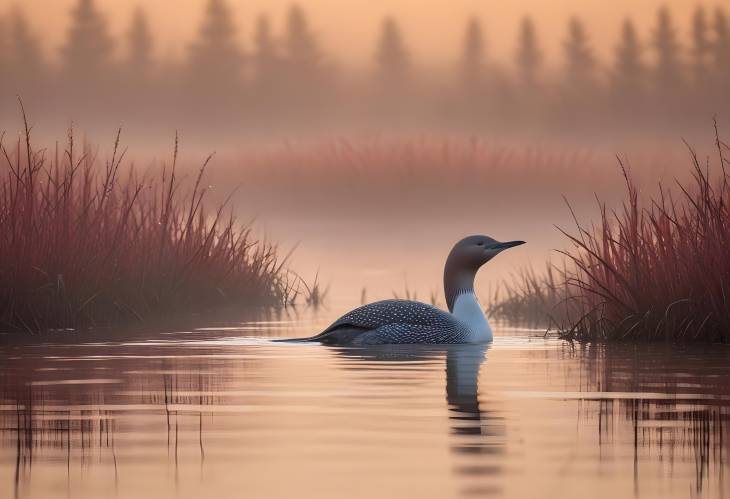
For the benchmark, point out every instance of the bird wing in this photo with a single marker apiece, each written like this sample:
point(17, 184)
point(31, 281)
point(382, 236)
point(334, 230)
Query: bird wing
point(389, 318)
point(391, 321)
point(394, 334)
point(382, 313)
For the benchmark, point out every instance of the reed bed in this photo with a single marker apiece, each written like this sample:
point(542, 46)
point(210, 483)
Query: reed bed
point(413, 175)
point(531, 297)
point(85, 242)
point(653, 270)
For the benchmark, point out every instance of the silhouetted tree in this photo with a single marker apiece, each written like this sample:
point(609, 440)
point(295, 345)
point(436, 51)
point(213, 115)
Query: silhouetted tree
point(308, 80)
point(26, 58)
point(629, 72)
point(215, 59)
point(472, 61)
point(580, 63)
point(701, 47)
point(265, 58)
point(268, 81)
point(140, 46)
point(5, 69)
point(721, 47)
point(668, 69)
point(86, 56)
point(484, 92)
point(391, 55)
point(303, 56)
point(140, 99)
point(529, 55)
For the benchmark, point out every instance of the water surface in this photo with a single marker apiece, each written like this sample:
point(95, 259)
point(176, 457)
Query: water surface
point(224, 412)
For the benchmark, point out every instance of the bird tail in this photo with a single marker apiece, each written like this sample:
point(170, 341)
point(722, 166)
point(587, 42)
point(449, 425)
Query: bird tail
point(295, 340)
point(341, 335)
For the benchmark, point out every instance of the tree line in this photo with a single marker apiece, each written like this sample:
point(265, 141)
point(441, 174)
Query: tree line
point(289, 79)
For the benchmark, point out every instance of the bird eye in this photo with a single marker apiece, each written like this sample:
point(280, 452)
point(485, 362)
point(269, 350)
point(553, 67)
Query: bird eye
point(480, 243)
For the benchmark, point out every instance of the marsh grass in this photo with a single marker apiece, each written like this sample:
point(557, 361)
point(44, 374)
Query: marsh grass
point(407, 294)
point(655, 270)
point(531, 297)
point(85, 242)
point(315, 294)
point(433, 178)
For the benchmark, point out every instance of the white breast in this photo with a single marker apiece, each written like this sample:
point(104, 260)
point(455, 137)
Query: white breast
point(468, 311)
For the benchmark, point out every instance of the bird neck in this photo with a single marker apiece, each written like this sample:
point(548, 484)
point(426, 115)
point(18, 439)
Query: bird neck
point(463, 303)
point(457, 280)
point(469, 312)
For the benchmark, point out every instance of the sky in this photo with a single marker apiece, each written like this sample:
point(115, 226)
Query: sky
point(348, 28)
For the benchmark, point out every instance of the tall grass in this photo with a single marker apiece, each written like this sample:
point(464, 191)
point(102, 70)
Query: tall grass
point(651, 270)
point(85, 242)
point(531, 297)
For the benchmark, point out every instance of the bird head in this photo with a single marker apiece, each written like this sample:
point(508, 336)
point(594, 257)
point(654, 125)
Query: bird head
point(474, 251)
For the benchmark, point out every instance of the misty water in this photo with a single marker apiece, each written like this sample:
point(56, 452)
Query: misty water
point(221, 411)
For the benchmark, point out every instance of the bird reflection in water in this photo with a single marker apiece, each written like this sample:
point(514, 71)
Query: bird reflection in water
point(478, 433)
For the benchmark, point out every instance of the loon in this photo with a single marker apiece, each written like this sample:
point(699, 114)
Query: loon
point(411, 322)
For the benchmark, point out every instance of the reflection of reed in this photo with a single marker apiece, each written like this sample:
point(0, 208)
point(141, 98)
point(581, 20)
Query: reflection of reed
point(36, 428)
point(183, 391)
point(74, 434)
point(675, 400)
point(53, 420)
point(693, 431)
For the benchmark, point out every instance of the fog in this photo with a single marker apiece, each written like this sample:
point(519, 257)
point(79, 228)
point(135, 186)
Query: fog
point(372, 135)
point(285, 74)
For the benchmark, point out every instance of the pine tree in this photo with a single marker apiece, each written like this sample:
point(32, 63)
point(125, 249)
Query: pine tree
point(391, 55)
point(88, 49)
point(25, 56)
point(140, 45)
point(303, 55)
point(529, 55)
point(472, 64)
point(629, 71)
point(668, 69)
point(721, 47)
point(5, 69)
point(701, 47)
point(215, 57)
point(580, 63)
point(265, 58)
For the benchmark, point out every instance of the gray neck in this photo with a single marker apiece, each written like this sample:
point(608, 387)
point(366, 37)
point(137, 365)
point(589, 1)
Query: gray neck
point(457, 280)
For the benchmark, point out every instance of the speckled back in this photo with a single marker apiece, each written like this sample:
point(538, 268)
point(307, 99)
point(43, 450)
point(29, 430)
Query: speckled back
point(401, 321)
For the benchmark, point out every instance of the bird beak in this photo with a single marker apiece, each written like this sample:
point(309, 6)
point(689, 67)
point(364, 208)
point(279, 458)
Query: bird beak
point(508, 244)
